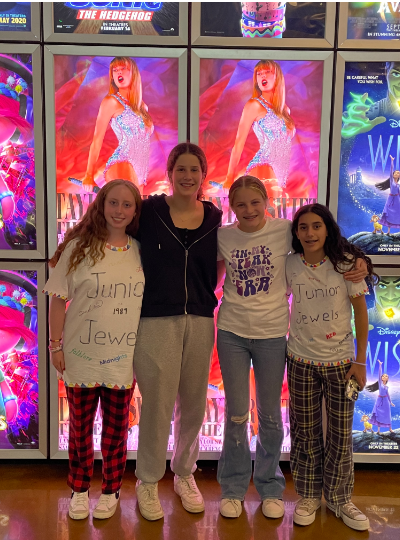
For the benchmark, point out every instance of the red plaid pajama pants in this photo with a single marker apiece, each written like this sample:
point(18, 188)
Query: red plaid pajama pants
point(115, 412)
point(317, 467)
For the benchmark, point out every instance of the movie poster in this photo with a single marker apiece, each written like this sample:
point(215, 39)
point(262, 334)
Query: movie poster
point(118, 18)
point(369, 202)
point(373, 20)
point(263, 19)
point(376, 425)
point(94, 91)
point(283, 151)
point(19, 393)
point(15, 17)
point(17, 154)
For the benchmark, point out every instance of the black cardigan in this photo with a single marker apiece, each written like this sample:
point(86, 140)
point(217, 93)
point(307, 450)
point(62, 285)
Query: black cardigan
point(178, 281)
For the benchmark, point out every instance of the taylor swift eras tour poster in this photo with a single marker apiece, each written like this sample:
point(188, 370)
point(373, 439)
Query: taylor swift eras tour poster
point(369, 202)
point(95, 145)
point(373, 20)
point(17, 154)
point(263, 19)
point(121, 18)
point(19, 392)
point(376, 425)
point(262, 117)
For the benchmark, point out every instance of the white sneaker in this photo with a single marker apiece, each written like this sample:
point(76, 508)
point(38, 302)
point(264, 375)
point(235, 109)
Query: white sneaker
point(273, 508)
point(351, 516)
point(149, 503)
point(230, 508)
point(79, 505)
point(106, 506)
point(304, 513)
point(186, 488)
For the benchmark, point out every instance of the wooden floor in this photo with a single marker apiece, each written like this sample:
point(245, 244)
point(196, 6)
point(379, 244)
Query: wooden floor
point(34, 502)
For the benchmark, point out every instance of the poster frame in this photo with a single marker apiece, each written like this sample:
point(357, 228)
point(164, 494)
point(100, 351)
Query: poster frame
point(376, 457)
point(41, 452)
point(106, 39)
point(33, 34)
point(40, 251)
point(342, 58)
point(50, 51)
point(306, 43)
point(325, 56)
point(346, 43)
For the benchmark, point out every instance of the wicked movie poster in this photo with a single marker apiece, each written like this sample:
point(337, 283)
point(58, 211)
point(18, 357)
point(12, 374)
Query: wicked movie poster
point(373, 20)
point(18, 360)
point(15, 16)
point(263, 19)
point(17, 154)
point(127, 18)
point(369, 202)
point(376, 425)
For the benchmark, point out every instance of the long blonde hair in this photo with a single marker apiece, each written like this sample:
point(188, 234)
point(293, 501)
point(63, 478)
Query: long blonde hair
point(278, 99)
point(135, 89)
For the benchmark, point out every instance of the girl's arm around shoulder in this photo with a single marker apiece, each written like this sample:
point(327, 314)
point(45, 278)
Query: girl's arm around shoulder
point(358, 368)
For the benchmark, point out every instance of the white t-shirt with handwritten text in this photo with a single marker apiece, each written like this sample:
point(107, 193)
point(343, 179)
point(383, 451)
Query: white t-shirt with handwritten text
point(102, 317)
point(320, 319)
point(254, 304)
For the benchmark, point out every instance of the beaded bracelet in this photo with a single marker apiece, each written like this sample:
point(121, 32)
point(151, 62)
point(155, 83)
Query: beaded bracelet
point(55, 340)
point(9, 398)
point(55, 349)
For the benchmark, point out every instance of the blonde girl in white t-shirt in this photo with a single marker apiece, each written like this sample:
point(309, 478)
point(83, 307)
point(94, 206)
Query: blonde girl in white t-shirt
point(97, 268)
point(252, 327)
point(321, 359)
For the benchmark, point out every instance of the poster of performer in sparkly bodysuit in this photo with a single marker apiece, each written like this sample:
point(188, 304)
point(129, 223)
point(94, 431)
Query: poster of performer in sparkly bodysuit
point(116, 117)
point(256, 117)
point(369, 189)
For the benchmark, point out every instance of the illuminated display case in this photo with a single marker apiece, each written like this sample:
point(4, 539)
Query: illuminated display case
point(141, 23)
point(364, 194)
point(370, 25)
point(23, 387)
point(264, 24)
point(22, 219)
point(20, 21)
point(376, 425)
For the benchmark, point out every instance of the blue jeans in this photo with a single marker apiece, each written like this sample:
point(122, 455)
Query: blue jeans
point(234, 467)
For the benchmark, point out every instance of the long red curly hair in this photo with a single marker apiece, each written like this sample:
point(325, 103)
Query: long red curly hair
point(91, 232)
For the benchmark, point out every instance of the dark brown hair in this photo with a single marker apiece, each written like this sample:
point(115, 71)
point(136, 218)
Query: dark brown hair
point(91, 232)
point(336, 247)
point(187, 148)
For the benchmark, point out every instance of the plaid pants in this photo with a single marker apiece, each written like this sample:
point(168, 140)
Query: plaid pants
point(115, 412)
point(315, 467)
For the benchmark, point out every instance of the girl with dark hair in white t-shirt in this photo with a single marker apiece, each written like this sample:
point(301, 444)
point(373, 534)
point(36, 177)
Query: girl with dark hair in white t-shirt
point(252, 327)
point(97, 269)
point(321, 359)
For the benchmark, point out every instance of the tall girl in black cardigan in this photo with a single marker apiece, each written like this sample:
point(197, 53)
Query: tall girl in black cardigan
point(178, 235)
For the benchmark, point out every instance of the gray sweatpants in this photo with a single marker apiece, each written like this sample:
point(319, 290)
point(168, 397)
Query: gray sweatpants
point(171, 363)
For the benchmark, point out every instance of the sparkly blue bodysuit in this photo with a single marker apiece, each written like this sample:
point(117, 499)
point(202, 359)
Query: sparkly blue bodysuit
point(275, 144)
point(133, 141)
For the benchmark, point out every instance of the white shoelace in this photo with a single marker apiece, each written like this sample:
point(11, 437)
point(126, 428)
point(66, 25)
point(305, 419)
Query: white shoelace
point(80, 498)
point(191, 484)
point(105, 498)
point(351, 510)
point(151, 492)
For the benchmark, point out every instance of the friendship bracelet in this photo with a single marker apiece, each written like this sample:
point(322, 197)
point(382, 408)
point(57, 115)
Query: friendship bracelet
point(9, 398)
point(55, 340)
point(5, 194)
point(358, 363)
point(55, 349)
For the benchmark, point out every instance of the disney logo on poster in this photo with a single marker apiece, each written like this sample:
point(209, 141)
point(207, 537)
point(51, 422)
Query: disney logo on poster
point(150, 6)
